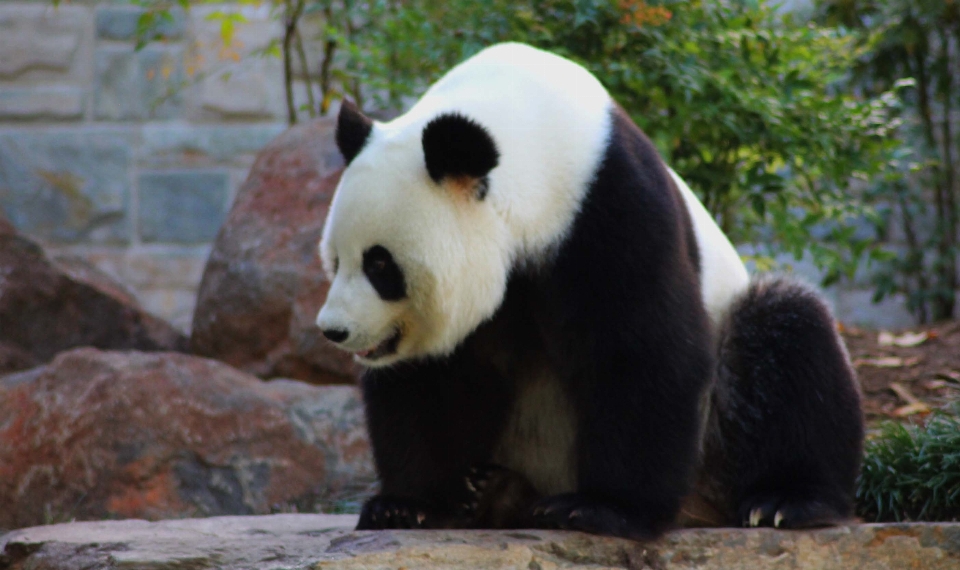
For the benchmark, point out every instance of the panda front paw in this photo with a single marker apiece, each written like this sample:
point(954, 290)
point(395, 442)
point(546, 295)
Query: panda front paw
point(573, 511)
point(385, 512)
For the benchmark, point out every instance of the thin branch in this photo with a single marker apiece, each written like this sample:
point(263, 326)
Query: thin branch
point(292, 18)
point(305, 71)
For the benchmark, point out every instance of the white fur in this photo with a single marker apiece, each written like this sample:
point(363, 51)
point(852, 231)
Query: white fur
point(550, 120)
point(722, 273)
point(539, 439)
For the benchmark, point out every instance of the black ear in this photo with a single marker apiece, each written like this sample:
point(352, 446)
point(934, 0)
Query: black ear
point(455, 146)
point(353, 129)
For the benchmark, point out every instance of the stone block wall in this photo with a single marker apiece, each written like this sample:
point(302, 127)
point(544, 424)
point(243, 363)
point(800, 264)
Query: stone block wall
point(131, 158)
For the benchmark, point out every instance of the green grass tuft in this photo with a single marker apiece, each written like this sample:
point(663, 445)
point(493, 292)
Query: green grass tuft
point(912, 473)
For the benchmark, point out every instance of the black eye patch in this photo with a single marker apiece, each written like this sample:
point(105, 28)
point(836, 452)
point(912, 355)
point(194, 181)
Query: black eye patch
point(384, 273)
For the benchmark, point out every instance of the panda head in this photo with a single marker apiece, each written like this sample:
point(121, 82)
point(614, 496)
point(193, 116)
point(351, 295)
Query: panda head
point(413, 246)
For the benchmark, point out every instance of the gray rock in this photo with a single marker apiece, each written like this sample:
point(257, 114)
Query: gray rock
point(234, 82)
point(43, 42)
point(180, 144)
point(138, 85)
point(326, 542)
point(182, 207)
point(67, 185)
point(51, 103)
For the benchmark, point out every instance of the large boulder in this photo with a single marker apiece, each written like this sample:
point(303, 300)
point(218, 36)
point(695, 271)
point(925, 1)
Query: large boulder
point(327, 542)
point(48, 306)
point(98, 434)
point(263, 285)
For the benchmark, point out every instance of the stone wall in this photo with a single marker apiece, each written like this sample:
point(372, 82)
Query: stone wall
point(131, 158)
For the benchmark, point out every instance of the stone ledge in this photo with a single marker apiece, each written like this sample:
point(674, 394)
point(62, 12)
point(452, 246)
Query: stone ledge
point(326, 542)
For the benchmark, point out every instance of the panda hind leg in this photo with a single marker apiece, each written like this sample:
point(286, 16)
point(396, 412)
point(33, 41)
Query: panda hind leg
point(786, 427)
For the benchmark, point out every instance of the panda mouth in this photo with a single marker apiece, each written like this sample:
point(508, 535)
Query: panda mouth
point(385, 348)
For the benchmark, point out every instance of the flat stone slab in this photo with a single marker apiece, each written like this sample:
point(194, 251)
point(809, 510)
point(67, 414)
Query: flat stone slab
point(293, 541)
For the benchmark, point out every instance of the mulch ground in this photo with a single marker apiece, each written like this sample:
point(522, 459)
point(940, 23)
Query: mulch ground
point(906, 374)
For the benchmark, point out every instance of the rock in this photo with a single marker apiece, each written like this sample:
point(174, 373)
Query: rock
point(69, 185)
point(263, 285)
point(38, 103)
point(82, 271)
point(96, 435)
point(46, 308)
point(138, 85)
point(182, 207)
point(6, 228)
point(326, 542)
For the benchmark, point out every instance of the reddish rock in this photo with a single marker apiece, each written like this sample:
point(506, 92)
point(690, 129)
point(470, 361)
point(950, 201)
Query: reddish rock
point(6, 228)
point(263, 285)
point(47, 307)
point(81, 270)
point(97, 435)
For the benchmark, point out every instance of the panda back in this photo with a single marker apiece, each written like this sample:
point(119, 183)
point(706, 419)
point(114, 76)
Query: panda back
point(722, 274)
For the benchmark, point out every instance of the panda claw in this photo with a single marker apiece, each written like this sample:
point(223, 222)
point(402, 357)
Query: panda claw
point(755, 516)
point(777, 519)
point(470, 485)
point(420, 518)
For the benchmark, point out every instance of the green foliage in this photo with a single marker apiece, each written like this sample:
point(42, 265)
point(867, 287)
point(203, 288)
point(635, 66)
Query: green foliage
point(912, 473)
point(744, 103)
point(917, 39)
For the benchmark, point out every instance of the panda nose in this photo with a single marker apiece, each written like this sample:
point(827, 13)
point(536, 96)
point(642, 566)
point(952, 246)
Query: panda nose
point(336, 335)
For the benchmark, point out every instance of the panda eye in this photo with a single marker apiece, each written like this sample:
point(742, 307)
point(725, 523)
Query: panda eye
point(384, 273)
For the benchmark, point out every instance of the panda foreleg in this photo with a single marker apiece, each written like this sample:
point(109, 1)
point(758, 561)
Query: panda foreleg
point(786, 430)
point(429, 423)
point(637, 372)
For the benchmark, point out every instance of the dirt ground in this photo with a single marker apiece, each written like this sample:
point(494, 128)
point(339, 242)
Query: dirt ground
point(906, 374)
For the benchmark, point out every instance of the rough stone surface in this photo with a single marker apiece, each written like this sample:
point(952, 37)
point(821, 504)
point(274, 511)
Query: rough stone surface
point(6, 228)
point(96, 435)
point(67, 185)
point(41, 42)
point(263, 284)
point(182, 207)
point(235, 83)
point(138, 85)
point(83, 271)
point(46, 308)
point(120, 23)
point(326, 542)
point(181, 145)
point(48, 103)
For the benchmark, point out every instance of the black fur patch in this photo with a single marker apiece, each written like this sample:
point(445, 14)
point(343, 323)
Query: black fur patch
point(384, 273)
point(353, 130)
point(456, 146)
point(786, 431)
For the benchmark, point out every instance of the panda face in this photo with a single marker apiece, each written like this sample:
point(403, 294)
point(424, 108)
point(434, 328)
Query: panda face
point(416, 257)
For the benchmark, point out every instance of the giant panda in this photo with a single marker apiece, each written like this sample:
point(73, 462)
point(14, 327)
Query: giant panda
point(556, 334)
